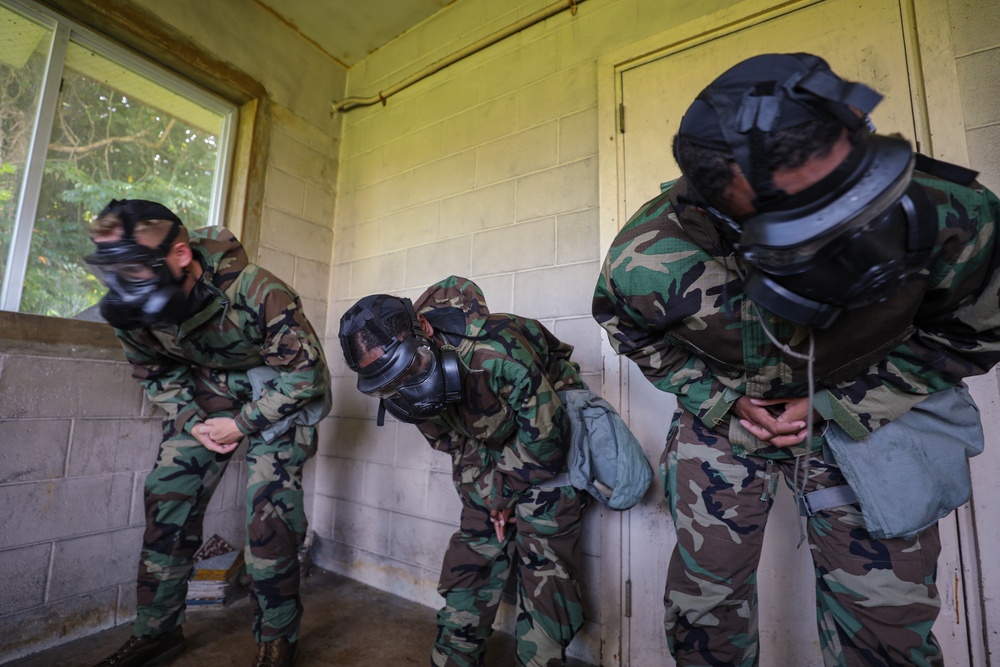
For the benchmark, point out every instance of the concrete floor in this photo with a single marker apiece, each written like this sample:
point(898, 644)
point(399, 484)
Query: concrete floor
point(346, 624)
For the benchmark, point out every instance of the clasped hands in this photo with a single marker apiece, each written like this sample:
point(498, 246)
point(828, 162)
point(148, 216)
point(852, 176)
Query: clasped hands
point(780, 422)
point(219, 434)
point(500, 519)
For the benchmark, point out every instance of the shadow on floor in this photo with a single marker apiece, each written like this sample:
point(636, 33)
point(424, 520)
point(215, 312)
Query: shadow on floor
point(346, 624)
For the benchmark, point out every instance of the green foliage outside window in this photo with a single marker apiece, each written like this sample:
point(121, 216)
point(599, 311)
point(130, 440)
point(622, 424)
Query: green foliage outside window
point(111, 139)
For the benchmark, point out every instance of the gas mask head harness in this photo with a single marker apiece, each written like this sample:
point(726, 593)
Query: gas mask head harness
point(413, 378)
point(844, 241)
point(142, 289)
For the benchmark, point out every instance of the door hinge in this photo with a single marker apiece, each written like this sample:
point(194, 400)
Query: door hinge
point(628, 598)
point(621, 118)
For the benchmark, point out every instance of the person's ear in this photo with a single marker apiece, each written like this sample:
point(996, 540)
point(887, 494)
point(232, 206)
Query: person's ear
point(425, 326)
point(182, 254)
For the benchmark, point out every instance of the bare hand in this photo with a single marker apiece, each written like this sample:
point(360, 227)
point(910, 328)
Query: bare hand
point(780, 422)
point(224, 430)
point(202, 433)
point(500, 519)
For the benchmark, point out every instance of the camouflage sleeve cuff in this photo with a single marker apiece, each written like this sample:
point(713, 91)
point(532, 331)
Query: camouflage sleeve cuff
point(245, 424)
point(187, 418)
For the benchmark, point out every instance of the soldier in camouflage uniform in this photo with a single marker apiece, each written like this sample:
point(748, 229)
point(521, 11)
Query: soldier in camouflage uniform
point(507, 437)
point(672, 296)
point(221, 320)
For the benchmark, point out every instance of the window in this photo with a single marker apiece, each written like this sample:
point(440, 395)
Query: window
point(83, 121)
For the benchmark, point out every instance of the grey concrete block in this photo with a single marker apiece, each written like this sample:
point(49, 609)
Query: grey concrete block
point(114, 445)
point(443, 502)
point(388, 574)
point(979, 84)
point(419, 541)
point(585, 337)
point(40, 511)
point(562, 291)
point(358, 439)
point(341, 478)
point(53, 387)
point(56, 623)
point(400, 489)
point(33, 449)
point(361, 526)
point(94, 562)
point(22, 577)
point(413, 451)
point(137, 512)
point(974, 24)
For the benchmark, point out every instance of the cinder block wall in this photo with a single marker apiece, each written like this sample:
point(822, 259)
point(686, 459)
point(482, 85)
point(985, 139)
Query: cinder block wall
point(487, 170)
point(77, 437)
point(975, 29)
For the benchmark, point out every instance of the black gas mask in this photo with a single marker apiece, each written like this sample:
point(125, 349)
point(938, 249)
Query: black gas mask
point(413, 378)
point(845, 241)
point(142, 290)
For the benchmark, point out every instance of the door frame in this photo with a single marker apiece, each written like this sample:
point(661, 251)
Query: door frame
point(939, 132)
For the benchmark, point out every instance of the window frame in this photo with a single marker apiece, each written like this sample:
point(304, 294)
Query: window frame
point(65, 29)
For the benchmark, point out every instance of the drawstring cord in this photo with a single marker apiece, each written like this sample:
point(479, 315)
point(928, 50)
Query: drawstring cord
point(800, 491)
point(225, 311)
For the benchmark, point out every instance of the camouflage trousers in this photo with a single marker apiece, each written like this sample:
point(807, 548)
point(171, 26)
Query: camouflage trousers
point(179, 489)
point(540, 550)
point(876, 600)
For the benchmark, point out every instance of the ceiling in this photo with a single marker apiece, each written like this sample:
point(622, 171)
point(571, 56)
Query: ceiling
point(349, 30)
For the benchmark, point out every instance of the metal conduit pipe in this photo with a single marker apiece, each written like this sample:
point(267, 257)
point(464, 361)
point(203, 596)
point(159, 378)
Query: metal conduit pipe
point(349, 103)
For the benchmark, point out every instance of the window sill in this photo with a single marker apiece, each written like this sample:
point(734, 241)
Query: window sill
point(57, 337)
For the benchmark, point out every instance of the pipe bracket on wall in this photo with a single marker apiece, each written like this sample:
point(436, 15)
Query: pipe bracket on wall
point(349, 103)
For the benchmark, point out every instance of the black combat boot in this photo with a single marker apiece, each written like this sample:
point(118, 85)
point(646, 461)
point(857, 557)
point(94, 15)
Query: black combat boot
point(146, 651)
point(276, 653)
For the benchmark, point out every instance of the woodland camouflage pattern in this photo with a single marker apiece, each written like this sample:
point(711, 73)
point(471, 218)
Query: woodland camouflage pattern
point(510, 430)
point(196, 371)
point(508, 436)
point(671, 299)
point(876, 600)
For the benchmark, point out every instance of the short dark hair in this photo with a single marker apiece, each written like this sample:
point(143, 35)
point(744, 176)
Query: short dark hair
point(363, 340)
point(710, 171)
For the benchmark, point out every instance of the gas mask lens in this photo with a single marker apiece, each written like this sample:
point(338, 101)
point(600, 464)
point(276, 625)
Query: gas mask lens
point(125, 272)
point(787, 242)
point(414, 373)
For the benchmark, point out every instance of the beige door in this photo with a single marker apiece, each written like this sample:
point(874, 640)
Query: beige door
point(865, 45)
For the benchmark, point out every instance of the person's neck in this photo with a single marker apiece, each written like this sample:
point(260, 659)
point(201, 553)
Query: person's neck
point(192, 274)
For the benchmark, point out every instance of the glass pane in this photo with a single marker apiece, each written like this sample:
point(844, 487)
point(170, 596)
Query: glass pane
point(116, 135)
point(24, 48)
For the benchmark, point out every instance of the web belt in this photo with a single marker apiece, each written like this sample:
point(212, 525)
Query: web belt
point(823, 499)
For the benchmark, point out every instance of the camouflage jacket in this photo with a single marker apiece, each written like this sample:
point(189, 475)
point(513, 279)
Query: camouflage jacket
point(251, 319)
point(510, 431)
point(670, 298)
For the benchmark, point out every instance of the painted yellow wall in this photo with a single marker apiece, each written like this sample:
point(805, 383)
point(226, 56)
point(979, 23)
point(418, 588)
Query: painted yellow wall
point(490, 170)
